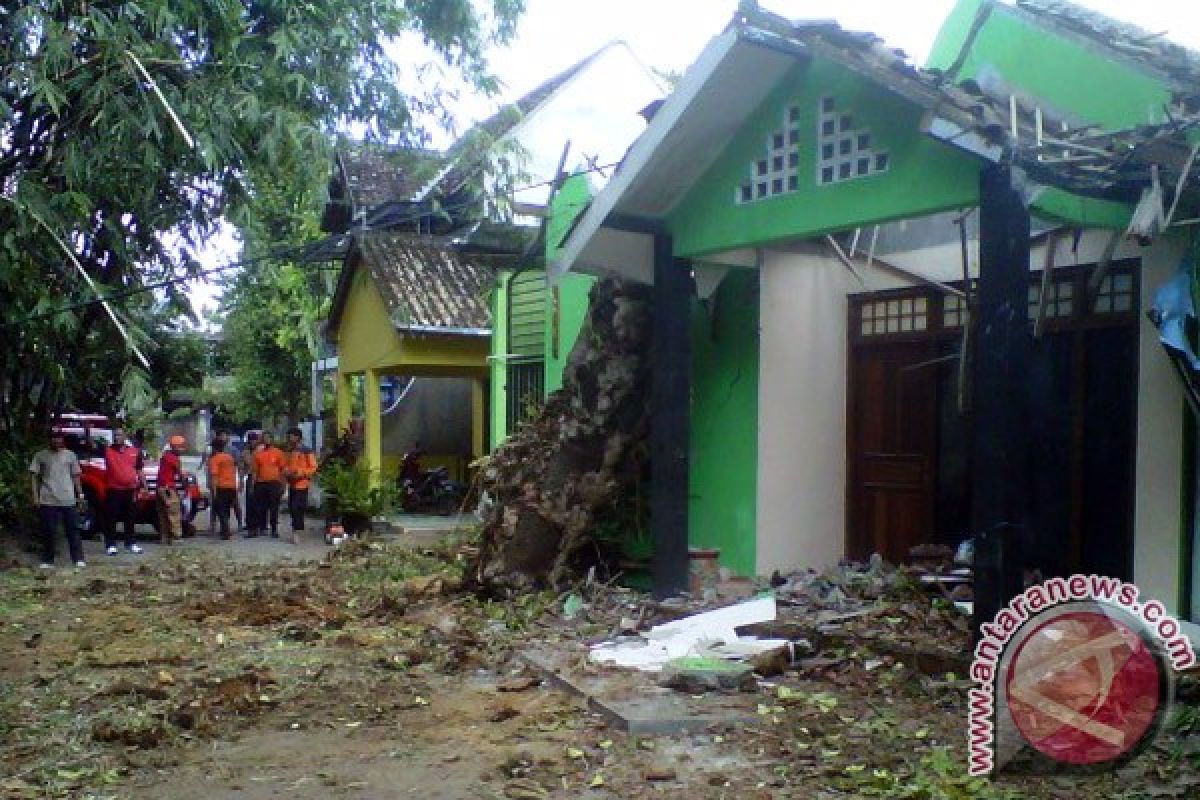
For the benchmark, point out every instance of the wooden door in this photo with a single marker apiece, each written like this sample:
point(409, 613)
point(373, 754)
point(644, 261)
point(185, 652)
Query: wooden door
point(908, 444)
point(893, 447)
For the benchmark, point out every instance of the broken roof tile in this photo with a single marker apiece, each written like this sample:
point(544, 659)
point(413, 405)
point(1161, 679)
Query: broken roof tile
point(374, 174)
point(426, 285)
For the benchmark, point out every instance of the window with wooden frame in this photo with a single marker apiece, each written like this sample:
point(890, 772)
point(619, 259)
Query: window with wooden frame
point(929, 311)
point(1116, 294)
point(893, 315)
point(1059, 300)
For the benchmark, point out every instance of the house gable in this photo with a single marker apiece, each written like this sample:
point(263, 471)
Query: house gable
point(367, 338)
point(852, 153)
point(1028, 53)
point(365, 335)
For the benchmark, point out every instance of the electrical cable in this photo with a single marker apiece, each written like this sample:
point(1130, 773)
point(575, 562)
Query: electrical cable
point(381, 220)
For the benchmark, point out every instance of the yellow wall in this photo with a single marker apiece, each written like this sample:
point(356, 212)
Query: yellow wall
point(366, 336)
point(367, 339)
point(369, 343)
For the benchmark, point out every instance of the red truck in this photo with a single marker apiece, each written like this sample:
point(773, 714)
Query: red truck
point(87, 435)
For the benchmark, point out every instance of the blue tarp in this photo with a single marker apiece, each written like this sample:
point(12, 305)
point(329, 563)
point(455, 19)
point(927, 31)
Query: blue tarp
point(1173, 307)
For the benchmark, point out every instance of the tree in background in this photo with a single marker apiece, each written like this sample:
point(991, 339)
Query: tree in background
point(129, 130)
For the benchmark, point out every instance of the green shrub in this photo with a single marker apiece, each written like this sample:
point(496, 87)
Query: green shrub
point(16, 507)
point(351, 491)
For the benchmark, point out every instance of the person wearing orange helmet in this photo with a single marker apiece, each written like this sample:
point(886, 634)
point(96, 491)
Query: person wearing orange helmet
point(170, 510)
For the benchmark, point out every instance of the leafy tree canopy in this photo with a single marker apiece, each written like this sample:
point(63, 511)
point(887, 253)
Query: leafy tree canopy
point(128, 129)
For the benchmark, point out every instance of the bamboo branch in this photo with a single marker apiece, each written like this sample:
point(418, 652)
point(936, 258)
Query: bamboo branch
point(91, 284)
point(187, 137)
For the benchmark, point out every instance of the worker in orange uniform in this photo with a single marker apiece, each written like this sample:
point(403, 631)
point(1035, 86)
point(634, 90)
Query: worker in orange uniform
point(223, 478)
point(301, 466)
point(269, 463)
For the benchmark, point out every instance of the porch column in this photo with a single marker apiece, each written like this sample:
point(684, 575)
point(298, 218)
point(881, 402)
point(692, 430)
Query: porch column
point(1000, 445)
point(372, 422)
point(670, 361)
point(477, 418)
point(344, 399)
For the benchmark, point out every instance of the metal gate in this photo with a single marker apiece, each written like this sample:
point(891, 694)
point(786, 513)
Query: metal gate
point(525, 391)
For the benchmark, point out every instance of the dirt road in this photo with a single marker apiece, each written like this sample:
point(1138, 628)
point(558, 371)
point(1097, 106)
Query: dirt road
point(215, 670)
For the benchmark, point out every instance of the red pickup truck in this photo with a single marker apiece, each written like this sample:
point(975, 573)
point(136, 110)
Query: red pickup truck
point(87, 435)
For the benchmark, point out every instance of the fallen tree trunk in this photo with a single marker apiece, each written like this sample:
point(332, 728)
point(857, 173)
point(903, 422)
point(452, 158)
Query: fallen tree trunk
point(582, 463)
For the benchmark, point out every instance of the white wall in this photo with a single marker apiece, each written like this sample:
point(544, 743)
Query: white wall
point(597, 111)
point(802, 410)
point(1159, 495)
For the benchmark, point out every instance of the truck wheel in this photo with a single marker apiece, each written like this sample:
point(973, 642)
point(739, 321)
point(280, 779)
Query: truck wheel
point(89, 517)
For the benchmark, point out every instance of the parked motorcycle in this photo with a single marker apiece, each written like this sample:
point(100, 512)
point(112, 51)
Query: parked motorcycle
point(428, 491)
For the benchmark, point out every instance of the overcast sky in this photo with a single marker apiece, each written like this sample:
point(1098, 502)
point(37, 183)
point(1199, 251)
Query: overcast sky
point(669, 34)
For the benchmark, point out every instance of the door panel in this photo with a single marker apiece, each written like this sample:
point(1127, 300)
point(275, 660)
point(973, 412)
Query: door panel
point(1109, 434)
point(893, 448)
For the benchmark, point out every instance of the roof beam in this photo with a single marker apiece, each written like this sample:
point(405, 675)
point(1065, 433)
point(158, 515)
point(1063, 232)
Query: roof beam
point(633, 223)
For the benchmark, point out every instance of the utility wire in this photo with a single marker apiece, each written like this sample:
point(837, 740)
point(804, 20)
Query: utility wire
point(284, 254)
point(381, 222)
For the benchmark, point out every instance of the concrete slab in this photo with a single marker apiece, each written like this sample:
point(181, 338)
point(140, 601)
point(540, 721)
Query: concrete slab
point(632, 702)
point(428, 526)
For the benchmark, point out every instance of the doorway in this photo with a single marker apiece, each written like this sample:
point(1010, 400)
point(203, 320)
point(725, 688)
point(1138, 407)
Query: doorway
point(908, 424)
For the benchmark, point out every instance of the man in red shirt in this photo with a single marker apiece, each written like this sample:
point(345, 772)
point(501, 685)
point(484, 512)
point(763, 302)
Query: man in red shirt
point(170, 511)
point(123, 478)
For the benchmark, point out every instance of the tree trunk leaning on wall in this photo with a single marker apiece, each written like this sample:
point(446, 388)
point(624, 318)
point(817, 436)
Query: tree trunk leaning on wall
point(578, 464)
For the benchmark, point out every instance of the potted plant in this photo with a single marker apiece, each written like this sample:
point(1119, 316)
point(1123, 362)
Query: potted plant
point(354, 497)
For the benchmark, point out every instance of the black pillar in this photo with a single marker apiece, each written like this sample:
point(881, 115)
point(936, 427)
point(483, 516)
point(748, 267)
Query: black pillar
point(1000, 441)
point(671, 376)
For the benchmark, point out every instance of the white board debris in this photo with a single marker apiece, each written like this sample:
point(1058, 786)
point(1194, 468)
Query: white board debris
point(712, 633)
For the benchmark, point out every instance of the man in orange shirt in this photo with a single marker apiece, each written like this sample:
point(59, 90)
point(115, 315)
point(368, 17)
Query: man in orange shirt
point(223, 478)
point(269, 464)
point(301, 466)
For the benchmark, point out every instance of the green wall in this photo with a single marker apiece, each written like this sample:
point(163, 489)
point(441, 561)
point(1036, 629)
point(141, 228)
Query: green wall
point(1067, 74)
point(498, 397)
point(571, 199)
point(923, 176)
point(572, 291)
point(532, 307)
point(724, 451)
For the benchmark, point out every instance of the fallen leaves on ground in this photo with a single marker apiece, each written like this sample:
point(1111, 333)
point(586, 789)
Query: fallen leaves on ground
point(114, 679)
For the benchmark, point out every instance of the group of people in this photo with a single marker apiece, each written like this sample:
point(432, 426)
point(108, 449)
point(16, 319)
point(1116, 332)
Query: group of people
point(263, 471)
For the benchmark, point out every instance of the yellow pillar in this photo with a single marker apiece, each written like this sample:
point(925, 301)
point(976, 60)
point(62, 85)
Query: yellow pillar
point(344, 400)
point(372, 423)
point(477, 418)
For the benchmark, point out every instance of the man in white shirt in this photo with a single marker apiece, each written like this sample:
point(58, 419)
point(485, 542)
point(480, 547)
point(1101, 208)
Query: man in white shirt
point(58, 493)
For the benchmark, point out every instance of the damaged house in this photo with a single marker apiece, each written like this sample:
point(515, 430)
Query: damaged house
point(898, 306)
point(424, 248)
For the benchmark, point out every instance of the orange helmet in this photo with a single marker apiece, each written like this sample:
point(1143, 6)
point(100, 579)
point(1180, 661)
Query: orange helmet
point(177, 441)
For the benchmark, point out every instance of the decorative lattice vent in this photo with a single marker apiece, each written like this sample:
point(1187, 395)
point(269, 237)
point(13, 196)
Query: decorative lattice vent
point(844, 151)
point(778, 170)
